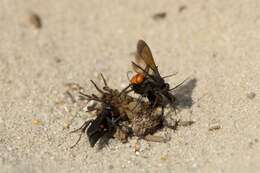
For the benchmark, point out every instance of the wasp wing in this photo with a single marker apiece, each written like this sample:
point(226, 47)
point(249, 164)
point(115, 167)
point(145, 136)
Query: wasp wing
point(144, 53)
point(144, 56)
point(140, 68)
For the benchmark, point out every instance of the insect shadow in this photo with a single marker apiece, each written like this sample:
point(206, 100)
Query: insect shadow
point(183, 94)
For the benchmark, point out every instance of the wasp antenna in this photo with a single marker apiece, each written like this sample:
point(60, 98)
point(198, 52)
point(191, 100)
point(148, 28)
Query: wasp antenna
point(125, 90)
point(104, 80)
point(143, 70)
point(129, 91)
point(97, 88)
point(179, 84)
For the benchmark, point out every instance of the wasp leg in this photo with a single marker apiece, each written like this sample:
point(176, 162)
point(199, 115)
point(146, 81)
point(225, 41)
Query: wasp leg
point(179, 84)
point(138, 102)
point(169, 75)
point(172, 126)
point(170, 100)
point(156, 101)
point(82, 130)
point(174, 108)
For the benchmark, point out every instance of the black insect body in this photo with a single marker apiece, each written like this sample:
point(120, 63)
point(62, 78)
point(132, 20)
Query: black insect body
point(148, 82)
point(112, 111)
point(103, 126)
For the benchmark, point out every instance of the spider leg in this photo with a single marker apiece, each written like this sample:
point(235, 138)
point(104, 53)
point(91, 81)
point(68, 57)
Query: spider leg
point(85, 95)
point(104, 80)
point(97, 88)
point(92, 109)
point(82, 129)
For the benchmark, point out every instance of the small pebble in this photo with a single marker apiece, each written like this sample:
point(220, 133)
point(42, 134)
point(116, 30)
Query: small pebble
point(163, 158)
point(186, 123)
point(182, 8)
point(137, 147)
point(214, 125)
point(253, 142)
point(111, 167)
point(251, 95)
point(35, 20)
point(159, 16)
point(66, 125)
point(9, 148)
point(36, 121)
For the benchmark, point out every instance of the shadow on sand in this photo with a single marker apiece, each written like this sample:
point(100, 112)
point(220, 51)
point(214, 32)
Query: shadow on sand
point(184, 92)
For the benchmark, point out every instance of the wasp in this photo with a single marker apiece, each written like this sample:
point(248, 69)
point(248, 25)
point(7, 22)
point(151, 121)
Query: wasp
point(148, 82)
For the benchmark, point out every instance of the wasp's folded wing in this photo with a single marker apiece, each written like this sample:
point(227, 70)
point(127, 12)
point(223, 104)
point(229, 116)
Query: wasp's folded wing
point(144, 53)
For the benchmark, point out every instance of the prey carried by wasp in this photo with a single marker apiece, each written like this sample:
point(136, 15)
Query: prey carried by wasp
point(119, 116)
point(148, 82)
point(110, 113)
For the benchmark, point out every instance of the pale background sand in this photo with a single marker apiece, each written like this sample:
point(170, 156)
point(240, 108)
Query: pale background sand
point(214, 41)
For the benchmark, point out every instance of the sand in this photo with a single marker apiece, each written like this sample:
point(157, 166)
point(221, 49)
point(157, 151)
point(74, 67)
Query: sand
point(215, 43)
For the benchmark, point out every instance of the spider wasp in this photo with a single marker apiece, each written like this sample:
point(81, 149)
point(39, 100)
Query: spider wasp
point(148, 82)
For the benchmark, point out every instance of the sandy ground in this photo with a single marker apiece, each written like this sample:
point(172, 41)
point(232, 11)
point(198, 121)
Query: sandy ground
point(216, 43)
